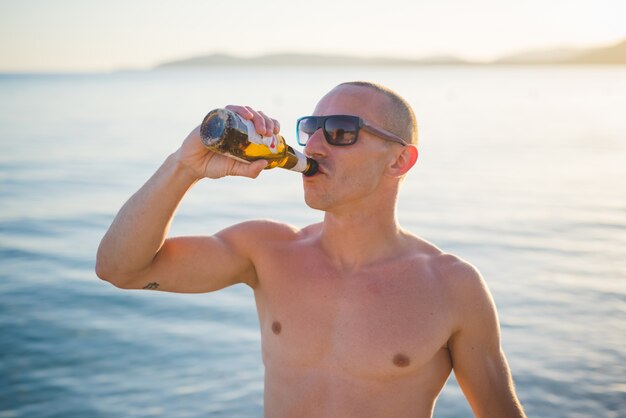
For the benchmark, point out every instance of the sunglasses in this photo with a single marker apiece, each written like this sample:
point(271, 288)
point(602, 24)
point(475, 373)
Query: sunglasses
point(340, 129)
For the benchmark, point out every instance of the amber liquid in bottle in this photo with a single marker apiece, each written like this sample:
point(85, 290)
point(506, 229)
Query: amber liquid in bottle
point(225, 132)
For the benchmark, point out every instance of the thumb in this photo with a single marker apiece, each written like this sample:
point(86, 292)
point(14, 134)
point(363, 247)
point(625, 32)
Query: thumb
point(254, 169)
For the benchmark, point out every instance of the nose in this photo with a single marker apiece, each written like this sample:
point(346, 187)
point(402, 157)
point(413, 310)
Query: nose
point(316, 145)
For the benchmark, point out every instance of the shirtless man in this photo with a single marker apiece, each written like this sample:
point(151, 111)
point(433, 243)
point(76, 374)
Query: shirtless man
point(359, 318)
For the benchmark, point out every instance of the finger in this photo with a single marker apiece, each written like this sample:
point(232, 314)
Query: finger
point(258, 120)
point(253, 170)
point(258, 166)
point(242, 111)
point(276, 126)
point(269, 124)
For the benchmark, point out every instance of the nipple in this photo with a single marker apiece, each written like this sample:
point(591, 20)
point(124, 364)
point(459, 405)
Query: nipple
point(276, 327)
point(401, 360)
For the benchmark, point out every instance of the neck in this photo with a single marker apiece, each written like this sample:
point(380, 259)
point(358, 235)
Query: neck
point(357, 237)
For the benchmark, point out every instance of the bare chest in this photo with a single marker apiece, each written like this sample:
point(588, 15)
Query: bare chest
point(379, 323)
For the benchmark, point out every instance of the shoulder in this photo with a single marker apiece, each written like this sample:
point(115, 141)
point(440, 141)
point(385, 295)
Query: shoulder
point(467, 293)
point(445, 267)
point(264, 226)
point(456, 272)
point(251, 233)
point(463, 287)
point(463, 281)
point(450, 272)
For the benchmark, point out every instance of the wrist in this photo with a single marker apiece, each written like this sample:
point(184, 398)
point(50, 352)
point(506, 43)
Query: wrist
point(182, 170)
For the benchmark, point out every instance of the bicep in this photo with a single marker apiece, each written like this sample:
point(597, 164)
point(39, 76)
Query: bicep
point(479, 363)
point(197, 265)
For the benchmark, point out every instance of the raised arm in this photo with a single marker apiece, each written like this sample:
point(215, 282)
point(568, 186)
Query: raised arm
point(480, 365)
point(135, 253)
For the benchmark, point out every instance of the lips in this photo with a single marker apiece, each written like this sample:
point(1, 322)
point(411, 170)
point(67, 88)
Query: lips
point(320, 169)
point(316, 167)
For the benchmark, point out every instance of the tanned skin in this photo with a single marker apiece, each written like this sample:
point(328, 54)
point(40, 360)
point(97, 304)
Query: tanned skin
point(358, 317)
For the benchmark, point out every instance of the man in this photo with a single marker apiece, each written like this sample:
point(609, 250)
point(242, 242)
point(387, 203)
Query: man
point(358, 317)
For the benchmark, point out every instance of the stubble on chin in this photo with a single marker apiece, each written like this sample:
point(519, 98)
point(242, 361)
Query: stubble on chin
point(317, 200)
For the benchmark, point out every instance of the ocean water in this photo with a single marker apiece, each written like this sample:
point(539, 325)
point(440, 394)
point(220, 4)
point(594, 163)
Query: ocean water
point(522, 172)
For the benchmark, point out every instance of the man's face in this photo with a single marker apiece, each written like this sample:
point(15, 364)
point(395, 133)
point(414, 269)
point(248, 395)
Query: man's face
point(348, 175)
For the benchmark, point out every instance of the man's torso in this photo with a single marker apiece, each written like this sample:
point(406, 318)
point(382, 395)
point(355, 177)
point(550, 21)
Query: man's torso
point(365, 342)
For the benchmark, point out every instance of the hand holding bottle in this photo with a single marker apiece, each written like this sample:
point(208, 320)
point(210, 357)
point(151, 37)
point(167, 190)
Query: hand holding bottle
point(203, 162)
point(248, 136)
point(264, 125)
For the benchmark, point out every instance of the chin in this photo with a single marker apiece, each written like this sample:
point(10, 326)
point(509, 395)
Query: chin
point(314, 201)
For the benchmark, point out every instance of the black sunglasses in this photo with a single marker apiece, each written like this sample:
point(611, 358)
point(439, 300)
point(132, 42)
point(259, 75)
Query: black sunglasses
point(340, 129)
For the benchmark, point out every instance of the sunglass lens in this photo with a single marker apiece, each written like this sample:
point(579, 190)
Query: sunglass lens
point(341, 130)
point(306, 128)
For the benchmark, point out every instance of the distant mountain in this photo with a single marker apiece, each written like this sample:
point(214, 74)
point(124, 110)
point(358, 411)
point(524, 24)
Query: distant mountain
point(614, 55)
point(306, 60)
point(547, 56)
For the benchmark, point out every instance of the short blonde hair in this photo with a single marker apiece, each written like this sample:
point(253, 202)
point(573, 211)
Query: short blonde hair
point(399, 116)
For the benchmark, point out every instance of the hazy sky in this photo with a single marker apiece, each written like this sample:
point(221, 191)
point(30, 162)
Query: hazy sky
point(86, 35)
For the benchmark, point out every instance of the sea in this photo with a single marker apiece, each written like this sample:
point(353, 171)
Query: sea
point(522, 172)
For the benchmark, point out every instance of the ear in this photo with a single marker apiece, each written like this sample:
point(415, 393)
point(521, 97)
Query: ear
point(404, 161)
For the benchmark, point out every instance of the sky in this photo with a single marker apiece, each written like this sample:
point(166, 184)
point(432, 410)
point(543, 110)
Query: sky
point(87, 35)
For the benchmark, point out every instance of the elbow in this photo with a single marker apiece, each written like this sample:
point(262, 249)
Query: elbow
point(103, 267)
point(102, 271)
point(113, 268)
point(105, 272)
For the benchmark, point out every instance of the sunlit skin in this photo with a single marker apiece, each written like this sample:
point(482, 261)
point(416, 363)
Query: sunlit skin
point(358, 317)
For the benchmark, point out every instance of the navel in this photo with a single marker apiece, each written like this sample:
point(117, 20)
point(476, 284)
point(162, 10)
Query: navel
point(401, 360)
point(276, 327)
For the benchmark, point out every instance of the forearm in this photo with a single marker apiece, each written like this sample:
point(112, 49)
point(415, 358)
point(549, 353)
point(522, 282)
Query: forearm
point(127, 253)
point(139, 229)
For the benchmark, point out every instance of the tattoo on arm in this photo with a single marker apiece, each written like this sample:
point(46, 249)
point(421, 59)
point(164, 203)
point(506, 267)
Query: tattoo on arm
point(152, 286)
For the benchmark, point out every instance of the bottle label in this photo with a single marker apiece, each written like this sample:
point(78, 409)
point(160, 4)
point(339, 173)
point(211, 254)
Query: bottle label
point(253, 136)
point(301, 164)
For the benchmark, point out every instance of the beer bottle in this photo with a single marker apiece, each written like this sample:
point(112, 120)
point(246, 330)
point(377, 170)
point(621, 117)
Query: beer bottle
point(225, 132)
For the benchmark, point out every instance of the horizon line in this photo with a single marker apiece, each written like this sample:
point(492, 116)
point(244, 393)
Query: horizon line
point(441, 59)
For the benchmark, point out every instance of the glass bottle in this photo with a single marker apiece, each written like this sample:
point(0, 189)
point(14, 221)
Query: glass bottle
point(227, 133)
